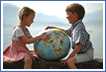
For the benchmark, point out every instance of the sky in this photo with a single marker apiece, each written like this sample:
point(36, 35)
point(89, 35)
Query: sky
point(55, 7)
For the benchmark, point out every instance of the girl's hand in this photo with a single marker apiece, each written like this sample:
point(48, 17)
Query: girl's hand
point(44, 37)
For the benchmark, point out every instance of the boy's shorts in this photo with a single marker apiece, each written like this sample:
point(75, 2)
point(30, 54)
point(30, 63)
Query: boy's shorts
point(82, 57)
point(87, 56)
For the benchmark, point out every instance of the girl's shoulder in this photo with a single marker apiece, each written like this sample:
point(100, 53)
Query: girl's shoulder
point(17, 29)
point(17, 32)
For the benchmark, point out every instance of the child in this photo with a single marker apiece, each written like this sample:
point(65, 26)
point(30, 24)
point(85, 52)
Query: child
point(20, 37)
point(82, 47)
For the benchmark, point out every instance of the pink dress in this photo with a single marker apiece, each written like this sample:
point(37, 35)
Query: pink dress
point(17, 50)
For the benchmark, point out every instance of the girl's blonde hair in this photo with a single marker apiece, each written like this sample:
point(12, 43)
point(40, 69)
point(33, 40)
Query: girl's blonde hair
point(25, 11)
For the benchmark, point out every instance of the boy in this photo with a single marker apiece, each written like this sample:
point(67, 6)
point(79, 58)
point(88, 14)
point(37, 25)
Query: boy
point(82, 47)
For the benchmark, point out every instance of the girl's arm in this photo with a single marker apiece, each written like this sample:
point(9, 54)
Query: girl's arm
point(32, 39)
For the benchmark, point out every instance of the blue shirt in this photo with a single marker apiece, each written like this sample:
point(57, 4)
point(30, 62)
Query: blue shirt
point(79, 34)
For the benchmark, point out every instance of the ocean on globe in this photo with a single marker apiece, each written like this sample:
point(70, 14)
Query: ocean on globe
point(55, 47)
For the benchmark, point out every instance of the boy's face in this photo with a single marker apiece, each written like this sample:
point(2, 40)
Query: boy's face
point(28, 19)
point(72, 17)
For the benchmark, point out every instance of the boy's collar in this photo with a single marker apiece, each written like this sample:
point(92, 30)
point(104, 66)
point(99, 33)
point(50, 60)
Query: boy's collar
point(77, 22)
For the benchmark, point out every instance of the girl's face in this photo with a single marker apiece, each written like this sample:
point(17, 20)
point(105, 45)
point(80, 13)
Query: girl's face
point(72, 17)
point(28, 20)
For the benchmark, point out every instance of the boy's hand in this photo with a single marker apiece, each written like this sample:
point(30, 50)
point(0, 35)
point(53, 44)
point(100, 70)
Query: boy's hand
point(49, 27)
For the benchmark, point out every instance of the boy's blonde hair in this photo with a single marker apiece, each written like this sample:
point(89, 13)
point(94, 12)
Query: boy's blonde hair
point(25, 11)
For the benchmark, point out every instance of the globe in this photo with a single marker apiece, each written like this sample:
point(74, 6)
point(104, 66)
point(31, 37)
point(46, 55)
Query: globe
point(55, 47)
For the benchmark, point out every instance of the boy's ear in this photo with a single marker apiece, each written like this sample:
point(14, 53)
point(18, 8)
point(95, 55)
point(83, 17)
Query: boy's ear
point(76, 15)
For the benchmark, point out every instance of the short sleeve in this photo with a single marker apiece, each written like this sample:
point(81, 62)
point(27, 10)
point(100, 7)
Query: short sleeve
point(17, 33)
point(81, 36)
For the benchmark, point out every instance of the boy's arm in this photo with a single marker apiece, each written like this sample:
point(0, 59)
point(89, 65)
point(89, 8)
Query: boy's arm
point(76, 49)
point(51, 27)
point(66, 31)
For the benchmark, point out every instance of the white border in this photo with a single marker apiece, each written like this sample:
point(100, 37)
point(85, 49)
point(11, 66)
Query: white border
point(54, 69)
point(104, 35)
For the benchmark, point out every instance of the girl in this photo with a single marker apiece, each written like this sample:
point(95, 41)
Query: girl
point(17, 50)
